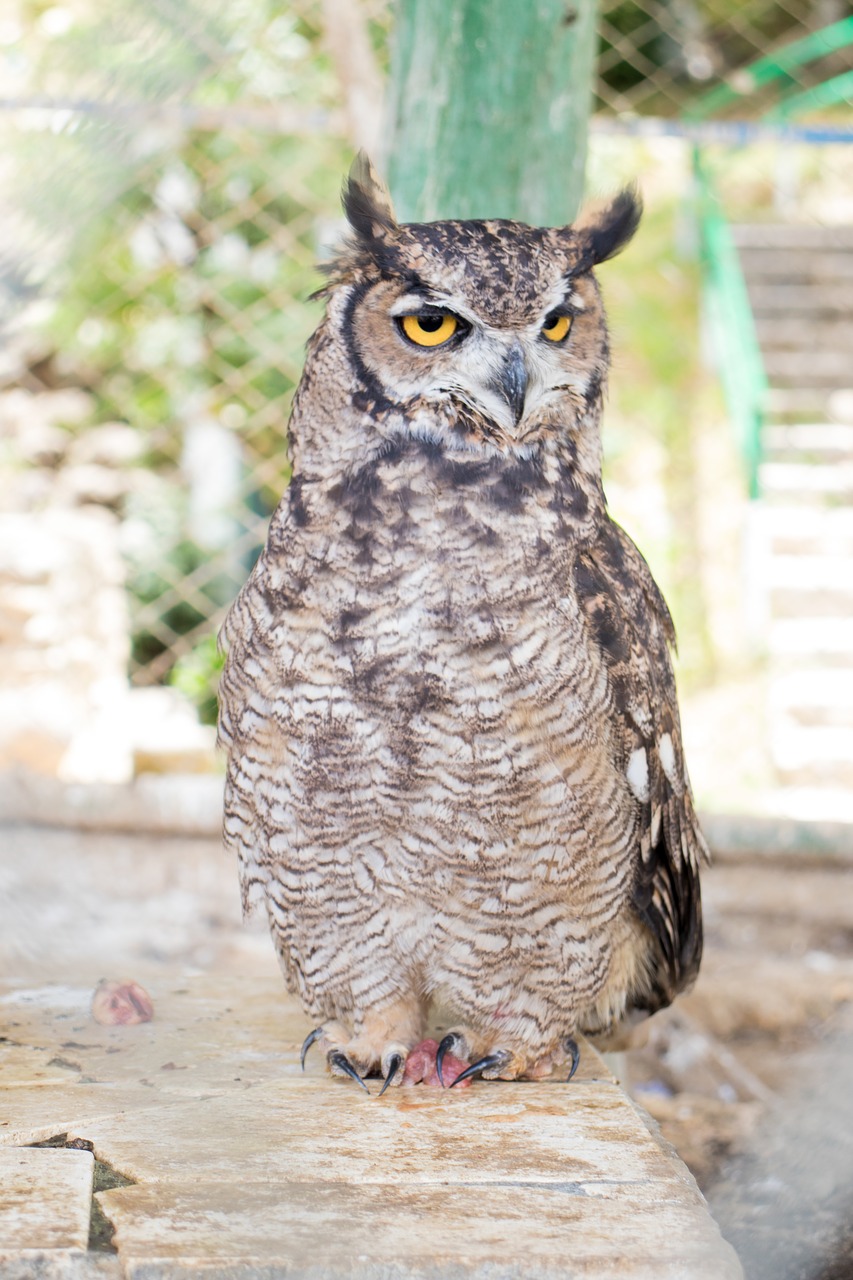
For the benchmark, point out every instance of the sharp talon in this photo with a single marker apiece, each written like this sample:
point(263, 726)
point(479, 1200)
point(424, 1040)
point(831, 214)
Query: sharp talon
point(573, 1049)
point(477, 1068)
point(337, 1059)
point(447, 1045)
point(309, 1040)
point(393, 1067)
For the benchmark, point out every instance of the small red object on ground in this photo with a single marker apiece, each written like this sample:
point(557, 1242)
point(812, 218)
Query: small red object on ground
point(421, 1068)
point(121, 1004)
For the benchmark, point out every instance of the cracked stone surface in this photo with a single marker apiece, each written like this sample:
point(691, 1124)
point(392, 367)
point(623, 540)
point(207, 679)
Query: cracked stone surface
point(239, 1161)
point(242, 1167)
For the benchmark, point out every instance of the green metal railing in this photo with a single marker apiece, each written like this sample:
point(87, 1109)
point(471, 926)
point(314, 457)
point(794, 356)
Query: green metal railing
point(828, 94)
point(729, 313)
point(741, 366)
point(776, 66)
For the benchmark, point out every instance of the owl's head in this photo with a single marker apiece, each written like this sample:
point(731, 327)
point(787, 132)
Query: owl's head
point(484, 334)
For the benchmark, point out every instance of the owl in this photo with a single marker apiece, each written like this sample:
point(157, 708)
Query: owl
point(455, 771)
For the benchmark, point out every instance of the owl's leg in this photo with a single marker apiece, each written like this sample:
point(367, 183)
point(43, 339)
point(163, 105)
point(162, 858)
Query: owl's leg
point(385, 1038)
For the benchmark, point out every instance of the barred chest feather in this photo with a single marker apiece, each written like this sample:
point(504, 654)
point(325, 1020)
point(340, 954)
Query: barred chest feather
point(442, 712)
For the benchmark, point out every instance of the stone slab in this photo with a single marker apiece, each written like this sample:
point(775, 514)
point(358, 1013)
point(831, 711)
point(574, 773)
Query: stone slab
point(244, 1166)
point(322, 1131)
point(338, 1229)
point(211, 1035)
point(45, 1200)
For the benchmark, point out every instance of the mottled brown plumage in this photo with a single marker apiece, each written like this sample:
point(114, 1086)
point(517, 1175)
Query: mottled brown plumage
point(454, 757)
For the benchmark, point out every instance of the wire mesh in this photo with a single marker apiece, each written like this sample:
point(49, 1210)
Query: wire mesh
point(658, 57)
point(178, 175)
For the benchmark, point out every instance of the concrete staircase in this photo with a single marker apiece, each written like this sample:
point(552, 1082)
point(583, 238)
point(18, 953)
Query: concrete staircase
point(800, 283)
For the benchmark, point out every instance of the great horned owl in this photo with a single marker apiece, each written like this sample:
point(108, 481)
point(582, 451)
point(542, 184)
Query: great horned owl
point(455, 770)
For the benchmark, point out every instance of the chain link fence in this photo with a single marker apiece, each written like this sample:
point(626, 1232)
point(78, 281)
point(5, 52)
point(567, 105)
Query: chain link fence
point(171, 180)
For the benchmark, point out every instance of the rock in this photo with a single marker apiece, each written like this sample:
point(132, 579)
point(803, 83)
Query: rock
point(43, 445)
point(64, 633)
point(92, 483)
point(114, 444)
point(21, 411)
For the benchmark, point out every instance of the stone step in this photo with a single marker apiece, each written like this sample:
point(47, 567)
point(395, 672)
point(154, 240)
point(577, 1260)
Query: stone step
point(828, 640)
point(834, 333)
point(800, 529)
point(807, 482)
point(817, 587)
point(809, 571)
point(810, 299)
point(820, 441)
point(797, 403)
point(816, 806)
point(824, 603)
point(813, 756)
point(230, 1172)
point(807, 519)
point(797, 267)
point(791, 236)
point(831, 368)
point(813, 697)
point(45, 1206)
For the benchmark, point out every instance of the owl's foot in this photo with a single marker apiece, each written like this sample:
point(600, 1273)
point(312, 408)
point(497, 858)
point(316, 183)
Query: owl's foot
point(338, 1062)
point(396, 1063)
point(444, 1064)
point(501, 1064)
point(382, 1047)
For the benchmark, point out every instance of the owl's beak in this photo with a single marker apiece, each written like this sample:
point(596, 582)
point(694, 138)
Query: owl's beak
point(511, 382)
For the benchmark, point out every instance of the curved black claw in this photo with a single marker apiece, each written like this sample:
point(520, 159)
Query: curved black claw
point(340, 1060)
point(449, 1044)
point(571, 1046)
point(307, 1043)
point(393, 1067)
point(498, 1059)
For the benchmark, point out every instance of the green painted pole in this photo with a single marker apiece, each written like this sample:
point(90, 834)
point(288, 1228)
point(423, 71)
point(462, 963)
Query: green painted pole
point(488, 110)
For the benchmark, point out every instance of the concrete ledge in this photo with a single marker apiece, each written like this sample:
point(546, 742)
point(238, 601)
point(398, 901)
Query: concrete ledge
point(161, 804)
point(191, 805)
point(242, 1166)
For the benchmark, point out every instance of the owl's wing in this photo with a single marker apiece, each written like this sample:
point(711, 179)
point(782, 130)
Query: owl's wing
point(631, 624)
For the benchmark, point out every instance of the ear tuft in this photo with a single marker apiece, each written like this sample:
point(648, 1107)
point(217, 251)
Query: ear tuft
point(605, 232)
point(367, 203)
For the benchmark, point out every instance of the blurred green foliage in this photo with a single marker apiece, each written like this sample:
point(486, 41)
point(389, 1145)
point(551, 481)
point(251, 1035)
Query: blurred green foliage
point(200, 194)
point(186, 301)
point(196, 675)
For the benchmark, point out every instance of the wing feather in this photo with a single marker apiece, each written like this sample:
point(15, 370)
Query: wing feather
point(630, 622)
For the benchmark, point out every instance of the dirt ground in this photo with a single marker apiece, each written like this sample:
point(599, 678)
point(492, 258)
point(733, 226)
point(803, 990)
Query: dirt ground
point(749, 1075)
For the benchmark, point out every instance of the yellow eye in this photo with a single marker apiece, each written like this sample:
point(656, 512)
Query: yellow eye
point(429, 331)
point(556, 327)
